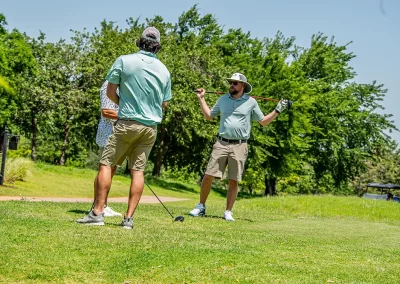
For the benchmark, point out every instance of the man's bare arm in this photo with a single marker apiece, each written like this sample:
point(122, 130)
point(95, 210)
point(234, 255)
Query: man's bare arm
point(281, 106)
point(112, 92)
point(203, 104)
point(268, 118)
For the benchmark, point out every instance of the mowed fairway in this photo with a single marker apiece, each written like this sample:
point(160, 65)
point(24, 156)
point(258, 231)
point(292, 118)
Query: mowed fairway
point(302, 239)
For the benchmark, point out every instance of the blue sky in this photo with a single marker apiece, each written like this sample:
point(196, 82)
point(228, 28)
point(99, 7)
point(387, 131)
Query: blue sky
point(369, 24)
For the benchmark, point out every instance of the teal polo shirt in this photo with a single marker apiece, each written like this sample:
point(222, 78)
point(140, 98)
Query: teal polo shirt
point(236, 116)
point(144, 84)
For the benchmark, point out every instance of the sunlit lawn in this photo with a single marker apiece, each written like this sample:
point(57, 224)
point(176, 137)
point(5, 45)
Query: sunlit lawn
point(303, 239)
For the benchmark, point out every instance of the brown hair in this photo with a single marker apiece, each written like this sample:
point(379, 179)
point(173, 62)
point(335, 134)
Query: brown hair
point(148, 45)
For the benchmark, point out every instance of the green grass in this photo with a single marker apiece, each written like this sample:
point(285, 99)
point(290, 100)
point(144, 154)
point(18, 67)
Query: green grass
point(302, 239)
point(55, 181)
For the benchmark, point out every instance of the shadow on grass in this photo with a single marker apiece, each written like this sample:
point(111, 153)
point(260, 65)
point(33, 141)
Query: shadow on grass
point(218, 187)
point(78, 211)
point(170, 185)
point(220, 217)
point(241, 195)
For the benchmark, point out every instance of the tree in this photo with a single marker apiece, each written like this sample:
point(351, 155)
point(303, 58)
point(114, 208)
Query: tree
point(330, 137)
point(347, 128)
point(36, 97)
point(278, 149)
point(16, 62)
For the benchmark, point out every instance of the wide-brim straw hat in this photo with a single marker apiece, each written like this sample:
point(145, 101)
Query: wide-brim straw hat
point(241, 78)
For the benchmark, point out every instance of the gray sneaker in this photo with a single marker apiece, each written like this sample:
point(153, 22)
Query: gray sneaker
point(199, 210)
point(91, 219)
point(127, 223)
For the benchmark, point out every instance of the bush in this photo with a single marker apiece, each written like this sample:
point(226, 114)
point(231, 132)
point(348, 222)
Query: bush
point(252, 182)
point(17, 169)
point(182, 175)
point(92, 160)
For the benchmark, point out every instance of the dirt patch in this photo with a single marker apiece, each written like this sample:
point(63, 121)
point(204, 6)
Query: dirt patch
point(143, 200)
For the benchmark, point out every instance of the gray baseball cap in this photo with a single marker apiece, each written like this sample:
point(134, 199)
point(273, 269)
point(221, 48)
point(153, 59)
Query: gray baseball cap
point(241, 78)
point(151, 33)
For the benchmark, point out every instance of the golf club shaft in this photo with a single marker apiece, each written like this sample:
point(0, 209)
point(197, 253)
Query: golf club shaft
point(258, 98)
point(215, 93)
point(159, 200)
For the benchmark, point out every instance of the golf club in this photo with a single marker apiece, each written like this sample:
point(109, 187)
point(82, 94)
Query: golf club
point(177, 218)
point(222, 93)
point(255, 97)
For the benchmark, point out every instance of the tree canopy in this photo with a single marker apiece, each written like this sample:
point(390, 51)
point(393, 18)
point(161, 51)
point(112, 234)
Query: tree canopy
point(330, 137)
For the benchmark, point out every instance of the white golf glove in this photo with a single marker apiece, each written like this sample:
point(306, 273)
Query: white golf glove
point(282, 105)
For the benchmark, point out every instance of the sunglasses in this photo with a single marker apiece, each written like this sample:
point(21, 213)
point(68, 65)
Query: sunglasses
point(234, 83)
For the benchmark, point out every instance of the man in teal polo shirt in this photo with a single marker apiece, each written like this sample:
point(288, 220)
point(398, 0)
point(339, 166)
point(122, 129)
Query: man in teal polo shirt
point(144, 91)
point(236, 110)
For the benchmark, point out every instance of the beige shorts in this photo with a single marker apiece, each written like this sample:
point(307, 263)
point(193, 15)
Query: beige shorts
point(226, 154)
point(130, 139)
point(101, 150)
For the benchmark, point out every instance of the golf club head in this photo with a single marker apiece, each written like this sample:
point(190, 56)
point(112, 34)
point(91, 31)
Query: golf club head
point(289, 104)
point(179, 218)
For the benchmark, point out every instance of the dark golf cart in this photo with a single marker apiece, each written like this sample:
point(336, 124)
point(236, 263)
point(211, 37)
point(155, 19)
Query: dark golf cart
point(385, 191)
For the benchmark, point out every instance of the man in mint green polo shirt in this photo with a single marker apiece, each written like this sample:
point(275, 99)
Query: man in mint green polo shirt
point(144, 91)
point(236, 110)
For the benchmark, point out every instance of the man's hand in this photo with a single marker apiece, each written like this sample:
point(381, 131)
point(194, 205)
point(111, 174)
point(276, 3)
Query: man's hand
point(203, 104)
point(200, 93)
point(109, 113)
point(282, 105)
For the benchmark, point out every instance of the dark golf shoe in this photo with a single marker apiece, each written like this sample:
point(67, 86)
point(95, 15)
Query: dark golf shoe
point(127, 223)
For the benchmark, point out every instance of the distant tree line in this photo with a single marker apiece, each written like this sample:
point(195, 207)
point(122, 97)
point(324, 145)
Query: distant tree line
point(332, 136)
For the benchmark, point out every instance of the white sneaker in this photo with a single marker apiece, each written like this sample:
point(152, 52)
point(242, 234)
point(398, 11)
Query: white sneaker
point(108, 212)
point(228, 216)
point(200, 210)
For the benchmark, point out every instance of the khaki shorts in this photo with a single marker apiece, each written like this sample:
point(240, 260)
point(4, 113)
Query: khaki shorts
point(101, 150)
point(130, 139)
point(226, 154)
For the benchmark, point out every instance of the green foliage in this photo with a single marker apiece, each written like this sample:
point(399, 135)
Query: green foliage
point(92, 160)
point(383, 167)
point(181, 175)
point(253, 182)
point(16, 60)
point(324, 143)
point(4, 85)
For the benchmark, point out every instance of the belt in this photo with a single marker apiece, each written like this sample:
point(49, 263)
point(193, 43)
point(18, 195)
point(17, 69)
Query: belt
point(135, 122)
point(232, 141)
point(126, 119)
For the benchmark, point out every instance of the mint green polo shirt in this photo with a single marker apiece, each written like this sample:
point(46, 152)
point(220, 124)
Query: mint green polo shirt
point(144, 84)
point(236, 116)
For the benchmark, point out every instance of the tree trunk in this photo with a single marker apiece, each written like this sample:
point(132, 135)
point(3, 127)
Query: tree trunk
point(160, 154)
point(34, 136)
point(270, 186)
point(1, 138)
point(65, 144)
